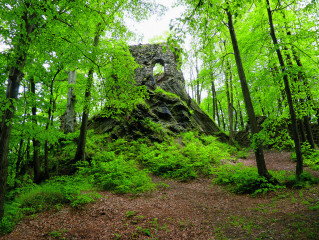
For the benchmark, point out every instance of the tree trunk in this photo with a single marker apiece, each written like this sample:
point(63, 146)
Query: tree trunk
point(299, 166)
point(198, 90)
point(19, 160)
point(215, 106)
point(46, 143)
point(309, 132)
point(302, 77)
point(14, 79)
point(36, 143)
point(261, 165)
point(69, 116)
point(222, 115)
point(80, 151)
point(228, 83)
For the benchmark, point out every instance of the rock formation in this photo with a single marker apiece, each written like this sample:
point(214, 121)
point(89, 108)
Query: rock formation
point(169, 106)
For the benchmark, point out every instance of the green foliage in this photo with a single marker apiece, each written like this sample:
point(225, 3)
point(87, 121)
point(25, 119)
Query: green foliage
point(303, 181)
point(310, 156)
point(57, 233)
point(185, 160)
point(12, 216)
point(243, 153)
point(156, 128)
point(160, 90)
point(241, 179)
point(120, 176)
point(184, 157)
point(275, 133)
point(54, 193)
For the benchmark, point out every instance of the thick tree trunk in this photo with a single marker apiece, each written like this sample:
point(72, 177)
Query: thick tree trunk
point(14, 79)
point(261, 165)
point(69, 116)
point(299, 166)
point(15, 76)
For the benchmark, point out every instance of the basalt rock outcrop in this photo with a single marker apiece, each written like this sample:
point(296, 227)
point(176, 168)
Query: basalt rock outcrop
point(168, 110)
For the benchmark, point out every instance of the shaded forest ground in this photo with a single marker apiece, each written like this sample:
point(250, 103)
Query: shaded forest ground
point(192, 210)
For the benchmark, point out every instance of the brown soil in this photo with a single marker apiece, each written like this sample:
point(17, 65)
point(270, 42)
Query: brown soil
point(193, 210)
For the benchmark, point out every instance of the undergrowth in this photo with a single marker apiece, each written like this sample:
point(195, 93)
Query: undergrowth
point(53, 194)
point(310, 156)
point(241, 179)
point(123, 166)
point(182, 158)
point(119, 175)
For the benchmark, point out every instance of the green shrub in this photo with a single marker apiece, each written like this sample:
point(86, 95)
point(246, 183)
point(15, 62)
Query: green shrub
point(53, 193)
point(11, 217)
point(241, 179)
point(303, 181)
point(49, 195)
point(184, 158)
point(121, 176)
point(194, 157)
point(310, 156)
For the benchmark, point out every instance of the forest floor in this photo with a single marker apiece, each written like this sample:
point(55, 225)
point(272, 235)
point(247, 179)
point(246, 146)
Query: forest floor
point(192, 210)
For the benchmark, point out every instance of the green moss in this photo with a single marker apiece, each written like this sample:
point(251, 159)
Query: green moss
point(159, 90)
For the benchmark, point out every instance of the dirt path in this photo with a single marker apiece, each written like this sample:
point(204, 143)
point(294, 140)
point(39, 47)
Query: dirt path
point(194, 210)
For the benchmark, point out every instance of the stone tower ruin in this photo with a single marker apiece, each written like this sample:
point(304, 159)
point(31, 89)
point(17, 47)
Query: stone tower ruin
point(175, 114)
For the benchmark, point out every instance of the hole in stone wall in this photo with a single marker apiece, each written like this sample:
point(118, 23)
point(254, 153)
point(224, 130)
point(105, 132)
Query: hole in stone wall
point(158, 69)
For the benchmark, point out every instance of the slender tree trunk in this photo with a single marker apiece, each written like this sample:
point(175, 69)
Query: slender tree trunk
point(222, 115)
point(46, 143)
point(69, 116)
point(228, 83)
point(236, 119)
point(303, 79)
point(19, 160)
point(198, 90)
point(80, 151)
point(301, 130)
point(215, 106)
point(261, 165)
point(299, 166)
point(36, 143)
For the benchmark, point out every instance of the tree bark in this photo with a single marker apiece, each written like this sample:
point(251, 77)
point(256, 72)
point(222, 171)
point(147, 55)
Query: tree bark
point(215, 106)
point(198, 90)
point(261, 165)
point(228, 83)
point(222, 115)
point(14, 79)
point(69, 116)
point(36, 143)
point(80, 151)
point(299, 166)
point(46, 143)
